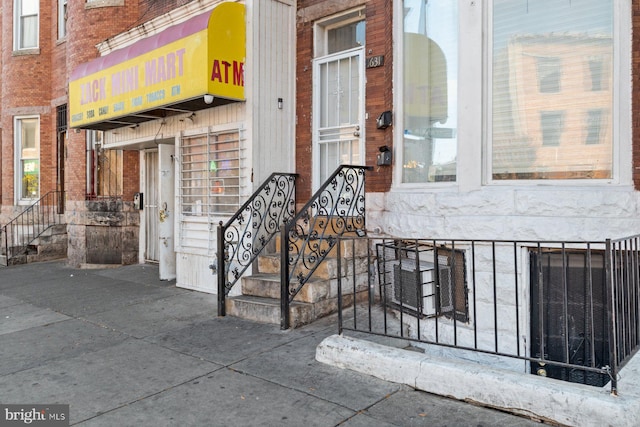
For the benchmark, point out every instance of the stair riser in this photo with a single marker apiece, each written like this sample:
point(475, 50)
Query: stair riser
point(347, 247)
point(312, 292)
point(300, 314)
point(328, 269)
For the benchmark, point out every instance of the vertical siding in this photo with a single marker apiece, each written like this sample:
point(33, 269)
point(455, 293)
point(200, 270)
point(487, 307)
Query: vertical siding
point(271, 56)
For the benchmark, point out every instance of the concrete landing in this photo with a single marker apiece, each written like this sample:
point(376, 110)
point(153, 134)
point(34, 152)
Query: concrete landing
point(536, 397)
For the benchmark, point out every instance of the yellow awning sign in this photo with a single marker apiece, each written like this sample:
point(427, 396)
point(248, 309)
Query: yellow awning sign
point(204, 55)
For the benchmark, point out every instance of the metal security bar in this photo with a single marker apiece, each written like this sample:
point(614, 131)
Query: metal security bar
point(22, 230)
point(243, 237)
point(338, 207)
point(624, 297)
point(559, 309)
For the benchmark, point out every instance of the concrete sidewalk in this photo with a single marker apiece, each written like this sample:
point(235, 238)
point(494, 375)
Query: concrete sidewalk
point(125, 349)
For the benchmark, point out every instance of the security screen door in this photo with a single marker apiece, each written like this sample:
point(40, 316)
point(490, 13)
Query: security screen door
point(338, 132)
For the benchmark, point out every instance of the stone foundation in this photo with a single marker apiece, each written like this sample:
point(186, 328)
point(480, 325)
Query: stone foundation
point(102, 232)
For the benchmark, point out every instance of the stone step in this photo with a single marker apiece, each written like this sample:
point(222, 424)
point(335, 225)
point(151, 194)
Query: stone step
point(315, 290)
point(268, 286)
point(267, 310)
point(327, 269)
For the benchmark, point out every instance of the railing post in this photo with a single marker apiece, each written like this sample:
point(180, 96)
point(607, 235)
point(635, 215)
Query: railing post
point(6, 245)
point(610, 284)
point(222, 272)
point(284, 277)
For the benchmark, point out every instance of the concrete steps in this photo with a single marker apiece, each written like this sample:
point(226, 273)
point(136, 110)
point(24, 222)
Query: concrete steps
point(51, 244)
point(260, 299)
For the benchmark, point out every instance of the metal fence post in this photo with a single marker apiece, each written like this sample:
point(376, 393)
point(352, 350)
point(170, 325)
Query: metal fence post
point(222, 272)
point(284, 277)
point(611, 308)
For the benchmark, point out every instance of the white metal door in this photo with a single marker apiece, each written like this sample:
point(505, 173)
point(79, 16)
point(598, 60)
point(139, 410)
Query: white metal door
point(166, 214)
point(150, 202)
point(338, 131)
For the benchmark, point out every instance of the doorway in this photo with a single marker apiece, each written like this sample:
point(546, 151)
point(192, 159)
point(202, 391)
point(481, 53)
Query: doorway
point(338, 98)
point(150, 204)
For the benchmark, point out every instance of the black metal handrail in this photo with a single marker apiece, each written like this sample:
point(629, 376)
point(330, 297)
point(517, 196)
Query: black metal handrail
point(337, 207)
point(245, 235)
point(22, 230)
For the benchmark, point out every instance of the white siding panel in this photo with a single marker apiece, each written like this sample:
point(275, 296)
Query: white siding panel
point(271, 74)
point(193, 272)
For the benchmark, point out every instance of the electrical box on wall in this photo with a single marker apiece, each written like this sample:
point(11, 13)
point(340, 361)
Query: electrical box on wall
point(384, 120)
point(384, 156)
point(137, 200)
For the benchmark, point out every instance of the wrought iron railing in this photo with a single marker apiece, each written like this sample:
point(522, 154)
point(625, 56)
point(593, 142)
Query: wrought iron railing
point(22, 230)
point(338, 207)
point(566, 310)
point(624, 297)
point(245, 235)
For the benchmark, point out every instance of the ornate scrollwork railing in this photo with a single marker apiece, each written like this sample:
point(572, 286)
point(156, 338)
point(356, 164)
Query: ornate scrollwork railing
point(338, 207)
point(250, 229)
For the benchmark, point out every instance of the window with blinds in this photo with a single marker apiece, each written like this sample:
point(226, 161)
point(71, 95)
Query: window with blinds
point(210, 173)
point(551, 89)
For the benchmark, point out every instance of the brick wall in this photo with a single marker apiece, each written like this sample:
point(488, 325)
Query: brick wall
point(635, 112)
point(378, 92)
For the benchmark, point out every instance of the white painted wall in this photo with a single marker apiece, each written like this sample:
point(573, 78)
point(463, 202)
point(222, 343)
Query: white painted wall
point(269, 76)
point(513, 213)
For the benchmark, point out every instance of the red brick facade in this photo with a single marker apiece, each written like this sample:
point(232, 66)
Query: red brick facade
point(378, 96)
point(635, 94)
point(35, 82)
point(379, 86)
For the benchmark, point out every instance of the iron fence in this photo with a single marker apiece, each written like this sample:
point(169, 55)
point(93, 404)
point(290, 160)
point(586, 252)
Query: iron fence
point(566, 310)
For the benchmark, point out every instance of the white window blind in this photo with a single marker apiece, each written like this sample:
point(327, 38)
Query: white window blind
point(551, 94)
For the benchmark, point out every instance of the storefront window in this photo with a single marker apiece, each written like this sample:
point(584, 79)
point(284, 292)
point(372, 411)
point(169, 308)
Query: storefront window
point(430, 56)
point(210, 176)
point(552, 91)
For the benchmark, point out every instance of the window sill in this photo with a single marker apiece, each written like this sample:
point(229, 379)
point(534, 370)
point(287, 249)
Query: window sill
point(26, 52)
point(94, 4)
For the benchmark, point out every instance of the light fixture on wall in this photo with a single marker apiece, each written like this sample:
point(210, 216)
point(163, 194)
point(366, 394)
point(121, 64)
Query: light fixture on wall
point(279, 103)
point(208, 99)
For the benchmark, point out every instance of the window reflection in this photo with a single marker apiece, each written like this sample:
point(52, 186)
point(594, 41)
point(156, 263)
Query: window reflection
point(551, 89)
point(430, 88)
